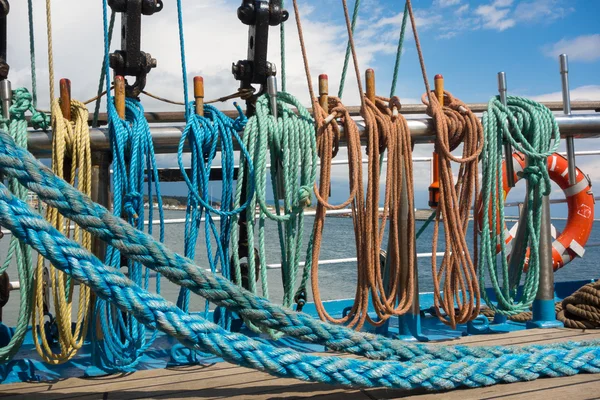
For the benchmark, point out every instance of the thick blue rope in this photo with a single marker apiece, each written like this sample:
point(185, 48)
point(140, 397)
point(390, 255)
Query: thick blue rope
point(203, 134)
point(123, 338)
point(18, 163)
point(197, 333)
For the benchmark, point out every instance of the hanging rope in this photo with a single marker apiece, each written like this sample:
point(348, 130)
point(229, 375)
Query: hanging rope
point(197, 333)
point(203, 134)
point(290, 144)
point(531, 129)
point(123, 338)
point(394, 135)
point(70, 149)
point(20, 164)
point(17, 250)
point(456, 289)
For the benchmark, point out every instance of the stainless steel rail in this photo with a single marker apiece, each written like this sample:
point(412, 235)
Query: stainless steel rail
point(166, 138)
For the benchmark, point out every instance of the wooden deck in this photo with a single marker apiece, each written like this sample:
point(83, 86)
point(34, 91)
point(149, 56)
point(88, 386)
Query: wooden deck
point(228, 381)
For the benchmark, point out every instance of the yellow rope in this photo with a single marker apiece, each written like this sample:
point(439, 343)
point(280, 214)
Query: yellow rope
point(70, 139)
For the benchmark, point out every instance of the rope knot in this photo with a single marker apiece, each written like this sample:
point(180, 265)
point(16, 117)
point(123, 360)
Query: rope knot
point(23, 102)
point(533, 174)
point(304, 196)
point(132, 202)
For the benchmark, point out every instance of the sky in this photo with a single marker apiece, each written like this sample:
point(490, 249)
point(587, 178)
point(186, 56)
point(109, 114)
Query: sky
point(466, 41)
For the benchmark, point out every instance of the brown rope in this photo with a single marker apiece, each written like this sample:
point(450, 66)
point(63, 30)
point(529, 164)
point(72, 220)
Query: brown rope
point(456, 287)
point(581, 310)
point(384, 131)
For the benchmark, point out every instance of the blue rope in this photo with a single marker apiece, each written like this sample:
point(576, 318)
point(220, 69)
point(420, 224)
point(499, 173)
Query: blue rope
point(123, 338)
point(16, 162)
point(203, 133)
point(197, 333)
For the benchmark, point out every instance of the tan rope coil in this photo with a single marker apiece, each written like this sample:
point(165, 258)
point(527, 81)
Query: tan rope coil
point(456, 287)
point(385, 132)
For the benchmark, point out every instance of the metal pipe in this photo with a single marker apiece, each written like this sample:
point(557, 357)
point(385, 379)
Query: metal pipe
point(546, 288)
point(5, 97)
point(407, 109)
point(166, 138)
point(510, 172)
point(566, 98)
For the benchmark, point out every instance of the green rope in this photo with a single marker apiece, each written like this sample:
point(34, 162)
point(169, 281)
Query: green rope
point(532, 130)
point(290, 144)
point(347, 57)
point(17, 250)
point(282, 45)
point(399, 51)
point(32, 53)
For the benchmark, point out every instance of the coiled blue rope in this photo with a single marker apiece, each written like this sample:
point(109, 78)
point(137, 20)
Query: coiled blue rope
point(123, 338)
point(203, 134)
point(195, 332)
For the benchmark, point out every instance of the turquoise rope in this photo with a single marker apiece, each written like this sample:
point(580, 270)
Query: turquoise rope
point(399, 51)
point(124, 339)
point(347, 56)
point(196, 333)
point(531, 129)
point(18, 163)
point(203, 134)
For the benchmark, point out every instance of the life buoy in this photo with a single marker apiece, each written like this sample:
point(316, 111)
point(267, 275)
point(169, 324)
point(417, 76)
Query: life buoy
point(580, 201)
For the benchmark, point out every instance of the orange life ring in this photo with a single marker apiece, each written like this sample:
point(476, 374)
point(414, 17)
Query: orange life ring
point(580, 201)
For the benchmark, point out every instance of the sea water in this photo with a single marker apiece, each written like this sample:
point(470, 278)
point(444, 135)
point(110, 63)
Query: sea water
point(336, 281)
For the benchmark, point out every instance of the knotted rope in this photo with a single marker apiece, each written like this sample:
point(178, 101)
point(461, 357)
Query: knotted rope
point(197, 333)
point(394, 135)
point(531, 129)
point(123, 339)
point(203, 134)
point(17, 250)
point(71, 150)
point(456, 289)
point(18, 163)
point(290, 143)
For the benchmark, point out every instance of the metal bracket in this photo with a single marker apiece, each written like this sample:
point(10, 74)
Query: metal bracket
point(259, 15)
point(4, 291)
point(130, 60)
point(4, 67)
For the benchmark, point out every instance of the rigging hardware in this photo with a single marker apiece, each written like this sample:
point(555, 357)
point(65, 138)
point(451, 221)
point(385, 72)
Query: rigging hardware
point(130, 60)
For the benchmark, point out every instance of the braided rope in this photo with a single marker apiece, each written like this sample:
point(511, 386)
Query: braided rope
point(18, 163)
point(531, 129)
point(70, 137)
point(197, 333)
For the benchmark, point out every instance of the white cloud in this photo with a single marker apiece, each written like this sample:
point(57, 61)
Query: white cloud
point(541, 10)
point(214, 40)
point(496, 15)
point(581, 93)
point(446, 3)
point(462, 9)
point(584, 48)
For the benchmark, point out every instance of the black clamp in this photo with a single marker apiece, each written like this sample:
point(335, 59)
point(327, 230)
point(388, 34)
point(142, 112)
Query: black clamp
point(259, 15)
point(4, 67)
point(130, 60)
point(4, 291)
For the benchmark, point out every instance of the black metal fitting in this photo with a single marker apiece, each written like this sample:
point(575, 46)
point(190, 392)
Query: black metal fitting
point(4, 67)
point(130, 60)
point(259, 15)
point(4, 291)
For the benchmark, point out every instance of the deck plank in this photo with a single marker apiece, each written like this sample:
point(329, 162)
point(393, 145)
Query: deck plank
point(223, 380)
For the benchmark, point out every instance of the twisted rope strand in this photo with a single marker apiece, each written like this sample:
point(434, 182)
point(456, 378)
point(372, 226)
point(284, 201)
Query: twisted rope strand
point(18, 163)
point(197, 333)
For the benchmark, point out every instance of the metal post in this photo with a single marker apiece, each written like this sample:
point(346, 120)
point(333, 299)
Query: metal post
point(566, 98)
point(510, 172)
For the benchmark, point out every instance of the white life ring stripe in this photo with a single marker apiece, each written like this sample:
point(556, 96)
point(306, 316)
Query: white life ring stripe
point(553, 166)
point(576, 188)
point(577, 248)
